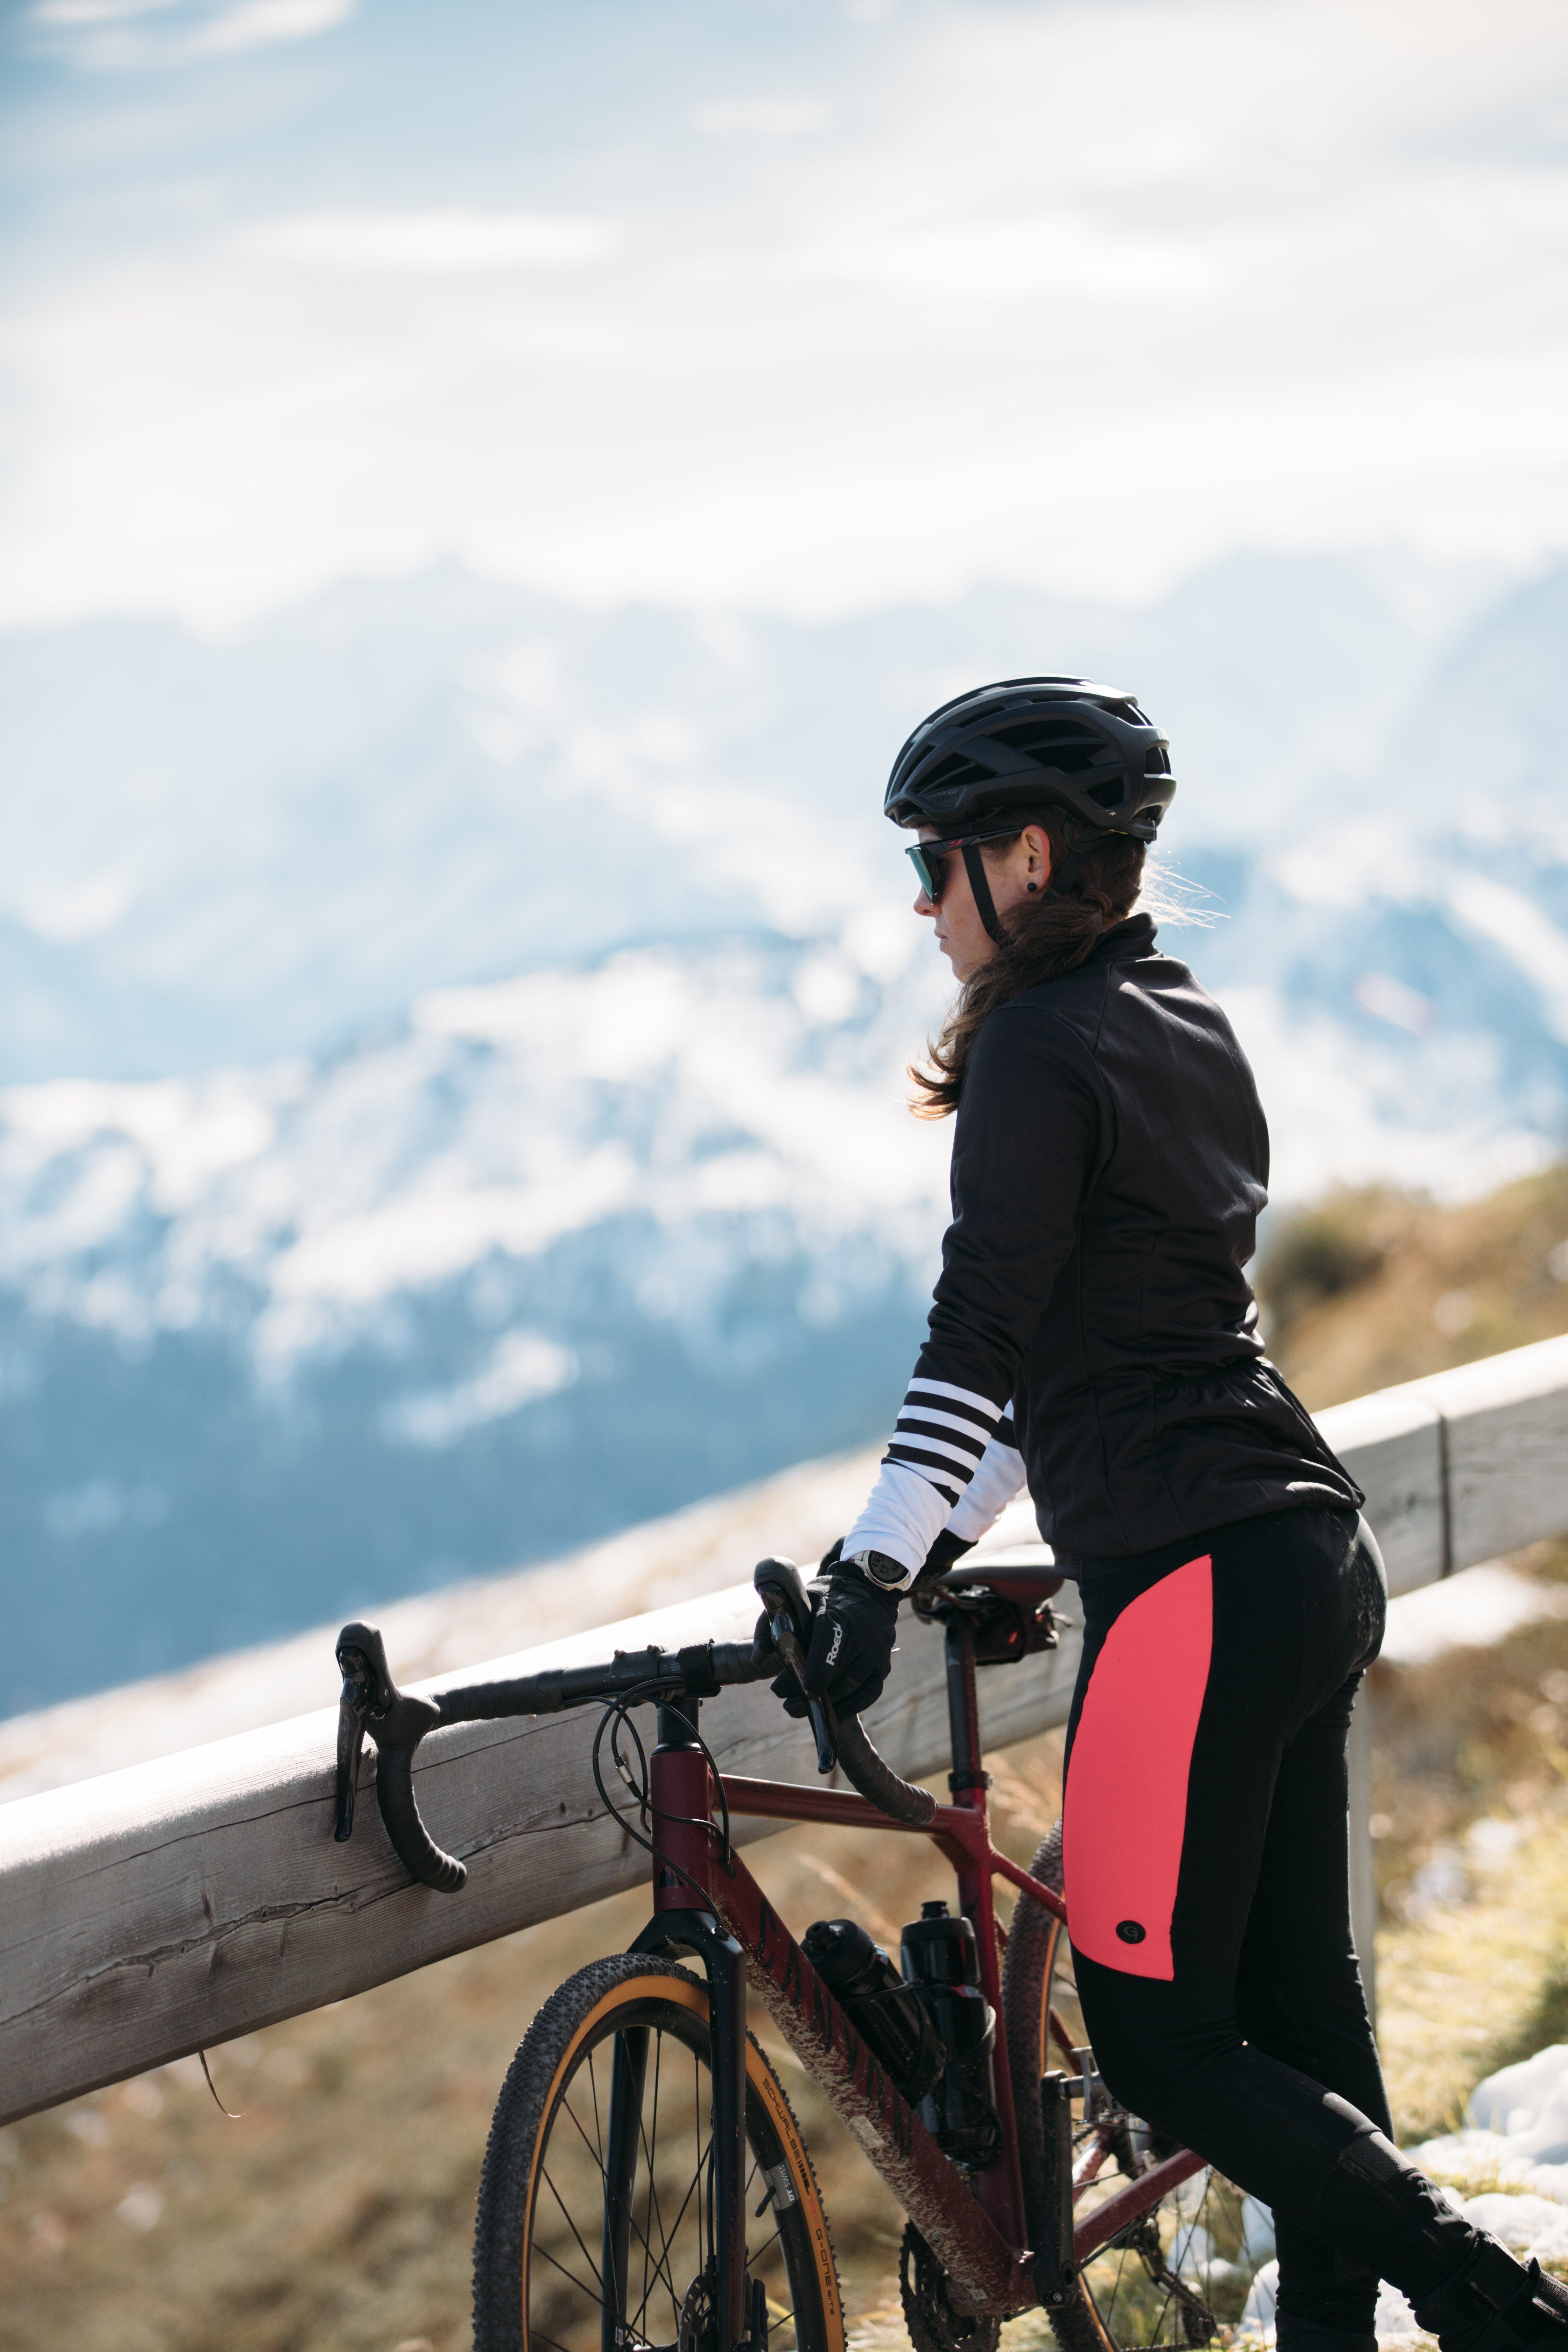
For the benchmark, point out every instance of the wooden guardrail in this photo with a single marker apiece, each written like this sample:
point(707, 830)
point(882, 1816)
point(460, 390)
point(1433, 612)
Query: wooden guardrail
point(155, 1911)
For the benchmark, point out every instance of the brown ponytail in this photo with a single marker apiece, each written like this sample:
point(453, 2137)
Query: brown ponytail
point(1041, 942)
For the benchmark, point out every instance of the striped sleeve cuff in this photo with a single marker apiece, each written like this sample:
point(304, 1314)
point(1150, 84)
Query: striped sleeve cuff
point(941, 1434)
point(941, 1441)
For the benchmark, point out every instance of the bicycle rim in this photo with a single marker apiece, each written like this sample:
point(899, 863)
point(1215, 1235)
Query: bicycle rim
point(597, 2231)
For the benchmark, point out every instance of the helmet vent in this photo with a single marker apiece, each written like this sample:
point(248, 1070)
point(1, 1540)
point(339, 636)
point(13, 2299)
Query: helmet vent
point(1054, 742)
point(1158, 763)
point(957, 771)
point(1110, 795)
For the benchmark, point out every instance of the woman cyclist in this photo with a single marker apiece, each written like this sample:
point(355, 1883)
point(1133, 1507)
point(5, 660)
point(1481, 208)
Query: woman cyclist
point(1093, 1334)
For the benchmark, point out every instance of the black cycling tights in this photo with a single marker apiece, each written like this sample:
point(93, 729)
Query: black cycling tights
point(1206, 1865)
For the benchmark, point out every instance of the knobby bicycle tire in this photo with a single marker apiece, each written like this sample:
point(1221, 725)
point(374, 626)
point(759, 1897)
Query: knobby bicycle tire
point(1177, 2280)
point(540, 2243)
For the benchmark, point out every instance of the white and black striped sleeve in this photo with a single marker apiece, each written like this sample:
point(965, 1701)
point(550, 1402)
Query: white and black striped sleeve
point(942, 1432)
point(994, 1485)
point(943, 1435)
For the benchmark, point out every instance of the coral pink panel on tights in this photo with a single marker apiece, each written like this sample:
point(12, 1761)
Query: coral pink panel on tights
point(1126, 1803)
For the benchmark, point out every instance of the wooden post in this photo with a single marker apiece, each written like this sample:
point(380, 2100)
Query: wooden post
point(1364, 1876)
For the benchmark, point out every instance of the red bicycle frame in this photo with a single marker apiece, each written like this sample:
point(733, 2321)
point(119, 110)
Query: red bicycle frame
point(974, 2224)
point(707, 1902)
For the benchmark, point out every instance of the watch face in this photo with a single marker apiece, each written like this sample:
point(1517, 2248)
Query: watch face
point(883, 1570)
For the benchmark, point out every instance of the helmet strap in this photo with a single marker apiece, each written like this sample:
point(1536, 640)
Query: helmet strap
point(1062, 877)
point(984, 904)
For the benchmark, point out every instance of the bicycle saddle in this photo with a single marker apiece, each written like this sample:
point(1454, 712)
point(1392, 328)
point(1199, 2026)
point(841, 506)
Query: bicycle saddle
point(1016, 1575)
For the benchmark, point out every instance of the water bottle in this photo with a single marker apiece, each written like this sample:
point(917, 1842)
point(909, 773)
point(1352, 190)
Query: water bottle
point(941, 1968)
point(881, 2008)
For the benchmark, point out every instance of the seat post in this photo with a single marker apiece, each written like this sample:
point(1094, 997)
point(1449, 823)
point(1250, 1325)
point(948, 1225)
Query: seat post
point(967, 1781)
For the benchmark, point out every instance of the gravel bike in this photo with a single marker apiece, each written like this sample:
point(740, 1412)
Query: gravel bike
point(646, 2188)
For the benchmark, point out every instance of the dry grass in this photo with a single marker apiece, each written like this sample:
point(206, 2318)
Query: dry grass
point(1470, 1801)
point(1368, 1288)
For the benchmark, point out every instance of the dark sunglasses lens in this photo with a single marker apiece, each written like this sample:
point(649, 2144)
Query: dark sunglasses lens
point(929, 864)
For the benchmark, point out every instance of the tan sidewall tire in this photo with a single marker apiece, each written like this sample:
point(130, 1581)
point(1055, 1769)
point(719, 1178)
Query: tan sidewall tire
point(576, 2017)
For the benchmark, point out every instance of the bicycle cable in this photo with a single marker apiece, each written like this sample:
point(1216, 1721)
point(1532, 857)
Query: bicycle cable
point(617, 1712)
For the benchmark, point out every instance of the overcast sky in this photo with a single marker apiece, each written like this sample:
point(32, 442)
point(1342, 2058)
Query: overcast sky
point(789, 303)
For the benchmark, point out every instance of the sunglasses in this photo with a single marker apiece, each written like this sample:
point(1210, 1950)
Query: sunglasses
point(928, 858)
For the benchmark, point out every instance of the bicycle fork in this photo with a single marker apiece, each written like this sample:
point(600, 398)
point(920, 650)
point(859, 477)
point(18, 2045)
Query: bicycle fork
point(738, 2329)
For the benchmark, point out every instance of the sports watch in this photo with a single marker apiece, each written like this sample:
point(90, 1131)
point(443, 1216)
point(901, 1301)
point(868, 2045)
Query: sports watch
point(890, 1574)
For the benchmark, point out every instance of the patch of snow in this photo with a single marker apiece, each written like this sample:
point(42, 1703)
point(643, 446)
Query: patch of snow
point(1528, 2105)
point(525, 1366)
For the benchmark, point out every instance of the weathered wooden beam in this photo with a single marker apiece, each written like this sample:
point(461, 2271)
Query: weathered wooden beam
point(156, 1911)
point(1505, 1422)
point(150, 1912)
point(1392, 1443)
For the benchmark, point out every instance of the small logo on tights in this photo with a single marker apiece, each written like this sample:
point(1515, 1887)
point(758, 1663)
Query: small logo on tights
point(1131, 1931)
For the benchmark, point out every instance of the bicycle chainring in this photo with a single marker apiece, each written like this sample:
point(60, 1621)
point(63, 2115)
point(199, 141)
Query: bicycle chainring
point(932, 2323)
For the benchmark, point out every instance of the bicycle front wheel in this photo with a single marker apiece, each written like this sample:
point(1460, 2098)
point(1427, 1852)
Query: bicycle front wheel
point(596, 2203)
point(1180, 2273)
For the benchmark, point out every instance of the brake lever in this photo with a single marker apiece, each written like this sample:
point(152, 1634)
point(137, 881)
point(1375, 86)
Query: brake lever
point(783, 1593)
point(367, 1691)
point(350, 1747)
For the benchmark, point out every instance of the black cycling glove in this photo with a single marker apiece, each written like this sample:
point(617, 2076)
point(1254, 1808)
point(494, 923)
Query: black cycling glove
point(852, 1672)
point(851, 1646)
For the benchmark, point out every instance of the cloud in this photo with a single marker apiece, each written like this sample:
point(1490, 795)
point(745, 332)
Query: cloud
point(451, 243)
point(758, 118)
point(68, 15)
point(1080, 296)
point(256, 24)
point(1053, 253)
point(113, 35)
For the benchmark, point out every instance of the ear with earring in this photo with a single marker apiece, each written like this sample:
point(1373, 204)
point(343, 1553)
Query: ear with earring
point(1031, 886)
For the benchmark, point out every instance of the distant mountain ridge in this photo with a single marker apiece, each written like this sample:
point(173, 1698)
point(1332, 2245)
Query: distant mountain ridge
point(456, 1044)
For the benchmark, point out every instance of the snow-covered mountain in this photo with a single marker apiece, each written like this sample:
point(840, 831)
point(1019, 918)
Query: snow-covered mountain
point(456, 1044)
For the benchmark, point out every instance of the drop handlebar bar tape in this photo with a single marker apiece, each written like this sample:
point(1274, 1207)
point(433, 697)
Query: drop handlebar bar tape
point(397, 1721)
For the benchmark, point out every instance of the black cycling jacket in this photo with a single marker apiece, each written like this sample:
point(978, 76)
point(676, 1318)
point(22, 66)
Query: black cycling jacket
point(1110, 1159)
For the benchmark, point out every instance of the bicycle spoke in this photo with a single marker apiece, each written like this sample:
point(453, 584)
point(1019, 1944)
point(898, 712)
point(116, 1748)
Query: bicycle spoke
point(660, 2271)
point(556, 2263)
point(660, 2268)
point(572, 2225)
point(654, 2220)
point(662, 2265)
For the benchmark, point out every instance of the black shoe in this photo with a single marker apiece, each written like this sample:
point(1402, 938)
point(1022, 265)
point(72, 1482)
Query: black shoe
point(1496, 2304)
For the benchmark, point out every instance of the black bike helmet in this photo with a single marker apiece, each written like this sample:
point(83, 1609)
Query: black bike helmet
point(1032, 741)
point(1010, 751)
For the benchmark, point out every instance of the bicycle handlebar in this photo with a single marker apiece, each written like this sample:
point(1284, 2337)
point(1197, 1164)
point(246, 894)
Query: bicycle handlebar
point(841, 1739)
point(397, 1721)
